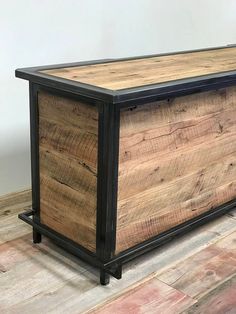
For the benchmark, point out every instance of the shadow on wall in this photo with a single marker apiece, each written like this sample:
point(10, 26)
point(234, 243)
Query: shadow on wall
point(14, 170)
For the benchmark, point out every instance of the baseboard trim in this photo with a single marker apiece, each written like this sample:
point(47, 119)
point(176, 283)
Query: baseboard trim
point(14, 203)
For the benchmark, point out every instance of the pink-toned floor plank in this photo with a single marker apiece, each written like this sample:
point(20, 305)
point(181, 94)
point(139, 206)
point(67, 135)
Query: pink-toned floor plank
point(221, 300)
point(200, 273)
point(150, 297)
point(17, 250)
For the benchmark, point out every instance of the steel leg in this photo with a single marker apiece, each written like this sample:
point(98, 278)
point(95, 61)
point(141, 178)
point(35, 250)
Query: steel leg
point(104, 277)
point(37, 237)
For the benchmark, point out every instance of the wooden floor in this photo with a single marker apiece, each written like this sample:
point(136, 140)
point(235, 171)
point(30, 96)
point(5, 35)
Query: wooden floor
point(195, 273)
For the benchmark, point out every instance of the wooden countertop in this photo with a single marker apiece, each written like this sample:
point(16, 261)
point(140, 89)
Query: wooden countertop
point(146, 78)
point(145, 71)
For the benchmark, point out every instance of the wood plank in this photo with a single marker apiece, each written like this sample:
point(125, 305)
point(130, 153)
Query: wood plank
point(34, 269)
point(13, 202)
point(165, 218)
point(176, 137)
point(17, 250)
point(221, 300)
point(150, 297)
point(11, 205)
point(208, 267)
point(176, 162)
point(153, 172)
point(191, 187)
point(175, 110)
point(12, 227)
point(68, 167)
point(140, 72)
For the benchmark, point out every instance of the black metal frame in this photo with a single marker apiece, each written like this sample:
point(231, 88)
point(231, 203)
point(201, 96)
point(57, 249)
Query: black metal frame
point(109, 105)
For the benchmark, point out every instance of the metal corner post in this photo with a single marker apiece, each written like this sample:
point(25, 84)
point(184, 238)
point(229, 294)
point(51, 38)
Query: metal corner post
point(34, 143)
point(108, 150)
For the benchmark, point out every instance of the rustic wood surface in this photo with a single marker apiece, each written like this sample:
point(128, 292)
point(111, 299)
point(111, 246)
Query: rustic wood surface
point(68, 167)
point(140, 72)
point(34, 275)
point(209, 267)
point(152, 297)
point(10, 203)
point(10, 226)
point(177, 160)
point(221, 300)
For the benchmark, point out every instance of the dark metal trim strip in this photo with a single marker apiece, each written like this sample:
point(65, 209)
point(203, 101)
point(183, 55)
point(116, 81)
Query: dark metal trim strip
point(107, 180)
point(82, 89)
point(154, 92)
point(34, 143)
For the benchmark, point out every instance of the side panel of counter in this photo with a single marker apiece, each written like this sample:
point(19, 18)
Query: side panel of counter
point(68, 143)
point(177, 160)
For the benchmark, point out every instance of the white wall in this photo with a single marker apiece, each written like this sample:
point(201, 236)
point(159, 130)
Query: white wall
point(54, 31)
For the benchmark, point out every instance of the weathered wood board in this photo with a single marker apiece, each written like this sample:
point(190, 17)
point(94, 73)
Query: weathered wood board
point(221, 300)
point(150, 297)
point(177, 160)
point(68, 135)
point(10, 203)
point(208, 267)
point(144, 71)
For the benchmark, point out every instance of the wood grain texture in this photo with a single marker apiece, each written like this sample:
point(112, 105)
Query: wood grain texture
point(11, 203)
point(10, 226)
point(151, 297)
point(208, 267)
point(220, 301)
point(140, 72)
point(205, 279)
point(68, 167)
point(177, 160)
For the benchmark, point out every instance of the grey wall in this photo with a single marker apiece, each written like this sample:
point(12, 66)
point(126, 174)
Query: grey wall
point(54, 31)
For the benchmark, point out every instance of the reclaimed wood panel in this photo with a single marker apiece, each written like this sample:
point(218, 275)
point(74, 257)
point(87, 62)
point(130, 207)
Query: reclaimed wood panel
point(177, 160)
point(144, 71)
point(68, 132)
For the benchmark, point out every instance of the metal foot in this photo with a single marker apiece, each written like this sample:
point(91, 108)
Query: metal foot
point(104, 277)
point(37, 237)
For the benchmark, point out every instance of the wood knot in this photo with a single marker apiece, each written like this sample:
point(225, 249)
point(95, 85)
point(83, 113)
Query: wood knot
point(221, 128)
point(209, 273)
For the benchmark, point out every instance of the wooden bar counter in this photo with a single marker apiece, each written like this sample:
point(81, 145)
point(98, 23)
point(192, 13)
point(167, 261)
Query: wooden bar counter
point(128, 153)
